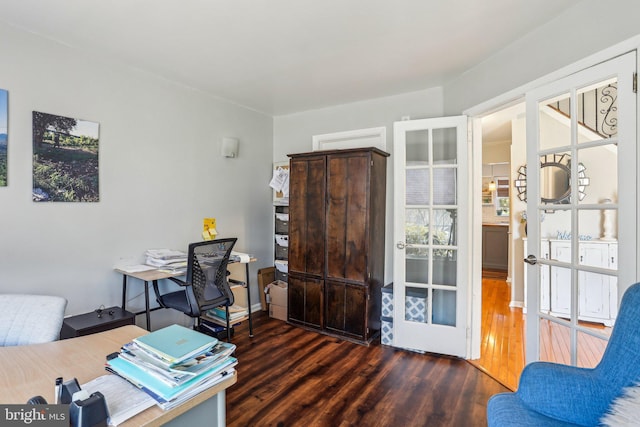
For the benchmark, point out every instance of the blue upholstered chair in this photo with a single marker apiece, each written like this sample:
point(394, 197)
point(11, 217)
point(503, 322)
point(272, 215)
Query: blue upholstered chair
point(30, 319)
point(551, 394)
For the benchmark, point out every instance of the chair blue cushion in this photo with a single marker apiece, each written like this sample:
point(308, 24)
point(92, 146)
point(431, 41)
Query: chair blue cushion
point(576, 396)
point(506, 409)
point(177, 300)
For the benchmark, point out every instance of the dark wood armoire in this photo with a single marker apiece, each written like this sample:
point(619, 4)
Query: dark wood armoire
point(336, 241)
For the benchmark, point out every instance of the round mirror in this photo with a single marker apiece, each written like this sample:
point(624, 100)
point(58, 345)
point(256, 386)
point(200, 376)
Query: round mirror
point(555, 179)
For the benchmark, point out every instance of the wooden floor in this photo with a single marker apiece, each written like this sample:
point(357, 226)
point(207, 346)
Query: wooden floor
point(502, 347)
point(502, 351)
point(288, 376)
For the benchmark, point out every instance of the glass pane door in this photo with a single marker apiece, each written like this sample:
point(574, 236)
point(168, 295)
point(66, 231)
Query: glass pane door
point(574, 210)
point(429, 302)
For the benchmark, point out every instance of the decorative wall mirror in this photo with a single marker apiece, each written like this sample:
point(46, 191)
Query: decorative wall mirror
point(555, 178)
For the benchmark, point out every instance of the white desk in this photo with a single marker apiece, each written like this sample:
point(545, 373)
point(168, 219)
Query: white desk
point(32, 370)
point(155, 275)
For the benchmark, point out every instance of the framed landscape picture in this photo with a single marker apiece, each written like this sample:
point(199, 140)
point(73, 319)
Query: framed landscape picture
point(4, 119)
point(65, 159)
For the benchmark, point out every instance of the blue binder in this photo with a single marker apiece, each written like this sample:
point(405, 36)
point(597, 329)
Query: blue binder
point(176, 343)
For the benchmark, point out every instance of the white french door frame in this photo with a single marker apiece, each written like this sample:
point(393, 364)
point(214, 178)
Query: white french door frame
point(429, 335)
point(505, 100)
point(621, 68)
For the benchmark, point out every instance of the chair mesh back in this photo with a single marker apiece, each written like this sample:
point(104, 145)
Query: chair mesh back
point(208, 270)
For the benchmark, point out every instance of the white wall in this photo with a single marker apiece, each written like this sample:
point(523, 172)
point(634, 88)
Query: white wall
point(160, 174)
point(293, 133)
point(580, 31)
point(518, 158)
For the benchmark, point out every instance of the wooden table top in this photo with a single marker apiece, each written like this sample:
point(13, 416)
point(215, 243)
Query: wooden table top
point(31, 370)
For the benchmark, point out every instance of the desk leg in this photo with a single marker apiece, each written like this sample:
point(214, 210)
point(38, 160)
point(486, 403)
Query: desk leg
point(248, 299)
point(146, 302)
point(124, 291)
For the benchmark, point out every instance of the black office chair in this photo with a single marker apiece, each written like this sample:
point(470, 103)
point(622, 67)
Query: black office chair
point(206, 285)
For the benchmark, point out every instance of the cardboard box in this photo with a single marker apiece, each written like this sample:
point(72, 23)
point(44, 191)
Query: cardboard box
point(239, 295)
point(278, 312)
point(265, 276)
point(277, 293)
point(277, 299)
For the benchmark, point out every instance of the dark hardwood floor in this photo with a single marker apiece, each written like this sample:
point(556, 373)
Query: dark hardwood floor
point(288, 376)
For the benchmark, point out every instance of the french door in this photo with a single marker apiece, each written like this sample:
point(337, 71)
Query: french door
point(581, 183)
point(431, 274)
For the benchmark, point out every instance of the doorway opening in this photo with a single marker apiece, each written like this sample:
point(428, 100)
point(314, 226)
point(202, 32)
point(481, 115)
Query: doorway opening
point(589, 307)
point(502, 351)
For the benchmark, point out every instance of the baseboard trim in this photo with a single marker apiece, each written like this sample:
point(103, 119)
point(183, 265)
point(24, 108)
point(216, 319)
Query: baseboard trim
point(516, 304)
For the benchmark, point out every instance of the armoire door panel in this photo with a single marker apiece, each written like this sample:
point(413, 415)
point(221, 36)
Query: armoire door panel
point(347, 186)
point(295, 299)
point(336, 216)
point(346, 309)
point(355, 322)
point(314, 302)
point(357, 218)
point(305, 299)
point(335, 303)
point(306, 216)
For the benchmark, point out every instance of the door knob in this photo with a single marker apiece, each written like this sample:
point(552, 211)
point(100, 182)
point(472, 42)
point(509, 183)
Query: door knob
point(531, 259)
point(400, 245)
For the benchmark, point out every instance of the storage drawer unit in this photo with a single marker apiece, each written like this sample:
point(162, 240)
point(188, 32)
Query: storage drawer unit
point(281, 241)
point(282, 252)
point(282, 227)
point(282, 276)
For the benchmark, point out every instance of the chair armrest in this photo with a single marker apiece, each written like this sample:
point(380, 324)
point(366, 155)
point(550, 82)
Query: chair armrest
point(178, 281)
point(237, 282)
point(568, 393)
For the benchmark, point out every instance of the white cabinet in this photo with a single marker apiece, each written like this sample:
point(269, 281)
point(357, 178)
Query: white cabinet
point(560, 279)
point(597, 293)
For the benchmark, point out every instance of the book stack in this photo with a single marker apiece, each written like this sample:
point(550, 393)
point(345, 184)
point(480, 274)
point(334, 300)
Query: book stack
point(173, 364)
point(219, 314)
point(168, 260)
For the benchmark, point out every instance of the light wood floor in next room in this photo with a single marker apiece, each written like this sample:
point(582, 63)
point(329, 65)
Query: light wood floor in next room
point(502, 352)
point(291, 377)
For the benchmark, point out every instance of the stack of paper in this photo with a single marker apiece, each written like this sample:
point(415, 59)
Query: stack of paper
point(123, 399)
point(240, 257)
point(167, 259)
point(173, 364)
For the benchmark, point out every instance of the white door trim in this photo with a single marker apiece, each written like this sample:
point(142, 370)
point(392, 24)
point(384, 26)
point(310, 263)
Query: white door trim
point(505, 100)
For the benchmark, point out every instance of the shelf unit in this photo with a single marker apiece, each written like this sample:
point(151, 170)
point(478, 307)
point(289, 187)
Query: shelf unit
point(240, 297)
point(281, 240)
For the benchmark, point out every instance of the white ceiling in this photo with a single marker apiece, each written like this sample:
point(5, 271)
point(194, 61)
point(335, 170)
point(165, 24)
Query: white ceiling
point(284, 56)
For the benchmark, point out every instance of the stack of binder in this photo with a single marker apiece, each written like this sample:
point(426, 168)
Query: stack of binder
point(173, 364)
